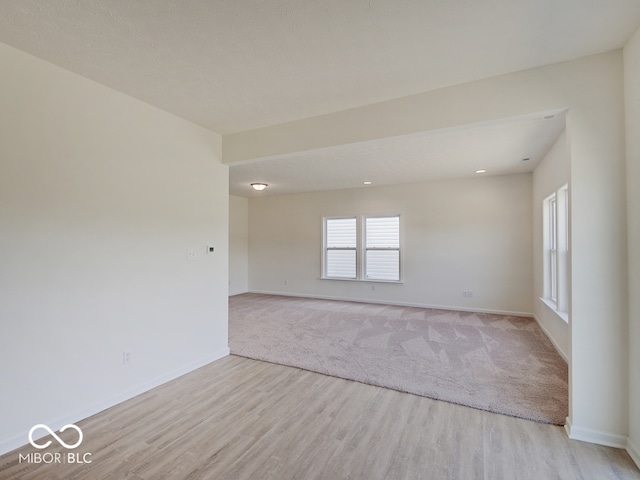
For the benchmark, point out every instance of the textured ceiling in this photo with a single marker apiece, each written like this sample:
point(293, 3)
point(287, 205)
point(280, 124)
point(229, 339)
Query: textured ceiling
point(234, 65)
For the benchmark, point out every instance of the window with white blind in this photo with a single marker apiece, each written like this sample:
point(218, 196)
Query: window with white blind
point(340, 247)
point(556, 250)
point(382, 248)
point(362, 248)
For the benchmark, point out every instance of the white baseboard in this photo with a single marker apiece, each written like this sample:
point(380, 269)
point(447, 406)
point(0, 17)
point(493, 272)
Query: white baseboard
point(238, 293)
point(17, 441)
point(594, 436)
point(551, 339)
point(606, 439)
point(453, 308)
point(634, 452)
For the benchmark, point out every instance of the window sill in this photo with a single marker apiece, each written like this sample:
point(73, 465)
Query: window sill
point(365, 280)
point(552, 306)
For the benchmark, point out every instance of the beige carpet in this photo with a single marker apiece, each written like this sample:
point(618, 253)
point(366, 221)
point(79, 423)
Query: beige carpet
point(502, 364)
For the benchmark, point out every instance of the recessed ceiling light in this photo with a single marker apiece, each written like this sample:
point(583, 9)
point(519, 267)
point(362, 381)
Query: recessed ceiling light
point(259, 186)
point(367, 182)
point(482, 170)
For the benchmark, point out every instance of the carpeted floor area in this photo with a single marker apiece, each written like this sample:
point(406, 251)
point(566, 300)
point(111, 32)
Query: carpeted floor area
point(502, 364)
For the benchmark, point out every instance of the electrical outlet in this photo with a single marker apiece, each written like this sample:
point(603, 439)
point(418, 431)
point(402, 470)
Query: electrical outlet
point(191, 254)
point(126, 357)
point(467, 294)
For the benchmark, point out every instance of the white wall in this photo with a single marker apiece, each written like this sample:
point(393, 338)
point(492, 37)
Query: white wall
point(591, 89)
point(101, 196)
point(238, 245)
point(472, 234)
point(550, 174)
point(632, 104)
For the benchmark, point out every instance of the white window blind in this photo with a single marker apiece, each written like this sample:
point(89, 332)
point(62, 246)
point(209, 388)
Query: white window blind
point(382, 248)
point(362, 248)
point(340, 247)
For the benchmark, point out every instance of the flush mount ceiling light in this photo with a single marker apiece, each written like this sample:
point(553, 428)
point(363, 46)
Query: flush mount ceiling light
point(367, 182)
point(259, 186)
point(482, 170)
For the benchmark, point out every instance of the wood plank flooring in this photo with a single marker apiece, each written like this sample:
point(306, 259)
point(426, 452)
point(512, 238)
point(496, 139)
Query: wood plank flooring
point(244, 419)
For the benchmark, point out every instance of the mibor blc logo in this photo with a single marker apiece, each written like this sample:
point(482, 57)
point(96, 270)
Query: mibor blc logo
point(52, 433)
point(55, 457)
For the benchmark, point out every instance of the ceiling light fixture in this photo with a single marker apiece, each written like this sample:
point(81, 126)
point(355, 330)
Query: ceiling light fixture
point(367, 182)
point(259, 186)
point(481, 171)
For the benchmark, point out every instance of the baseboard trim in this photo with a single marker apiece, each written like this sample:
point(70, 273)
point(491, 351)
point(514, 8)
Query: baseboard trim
point(391, 302)
point(595, 436)
point(606, 439)
point(238, 293)
point(551, 339)
point(634, 452)
point(19, 440)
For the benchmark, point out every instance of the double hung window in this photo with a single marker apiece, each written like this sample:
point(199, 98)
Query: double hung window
point(556, 249)
point(382, 248)
point(340, 247)
point(362, 248)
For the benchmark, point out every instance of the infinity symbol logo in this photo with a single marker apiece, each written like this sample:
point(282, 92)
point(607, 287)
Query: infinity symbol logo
point(51, 432)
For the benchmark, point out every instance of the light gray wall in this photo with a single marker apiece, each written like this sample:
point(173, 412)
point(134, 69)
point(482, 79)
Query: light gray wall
point(472, 234)
point(101, 197)
point(238, 245)
point(632, 103)
point(550, 174)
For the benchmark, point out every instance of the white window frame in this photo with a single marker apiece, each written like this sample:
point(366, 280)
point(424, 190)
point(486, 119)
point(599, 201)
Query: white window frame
point(366, 274)
point(328, 248)
point(555, 245)
point(361, 249)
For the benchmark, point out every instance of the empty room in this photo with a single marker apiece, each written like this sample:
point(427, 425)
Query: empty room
point(320, 240)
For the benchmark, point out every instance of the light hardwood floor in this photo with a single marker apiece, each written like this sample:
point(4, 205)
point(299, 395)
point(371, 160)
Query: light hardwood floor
point(243, 419)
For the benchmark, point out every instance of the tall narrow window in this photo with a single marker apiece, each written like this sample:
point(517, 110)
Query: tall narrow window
point(340, 247)
point(562, 248)
point(556, 250)
point(553, 248)
point(382, 248)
